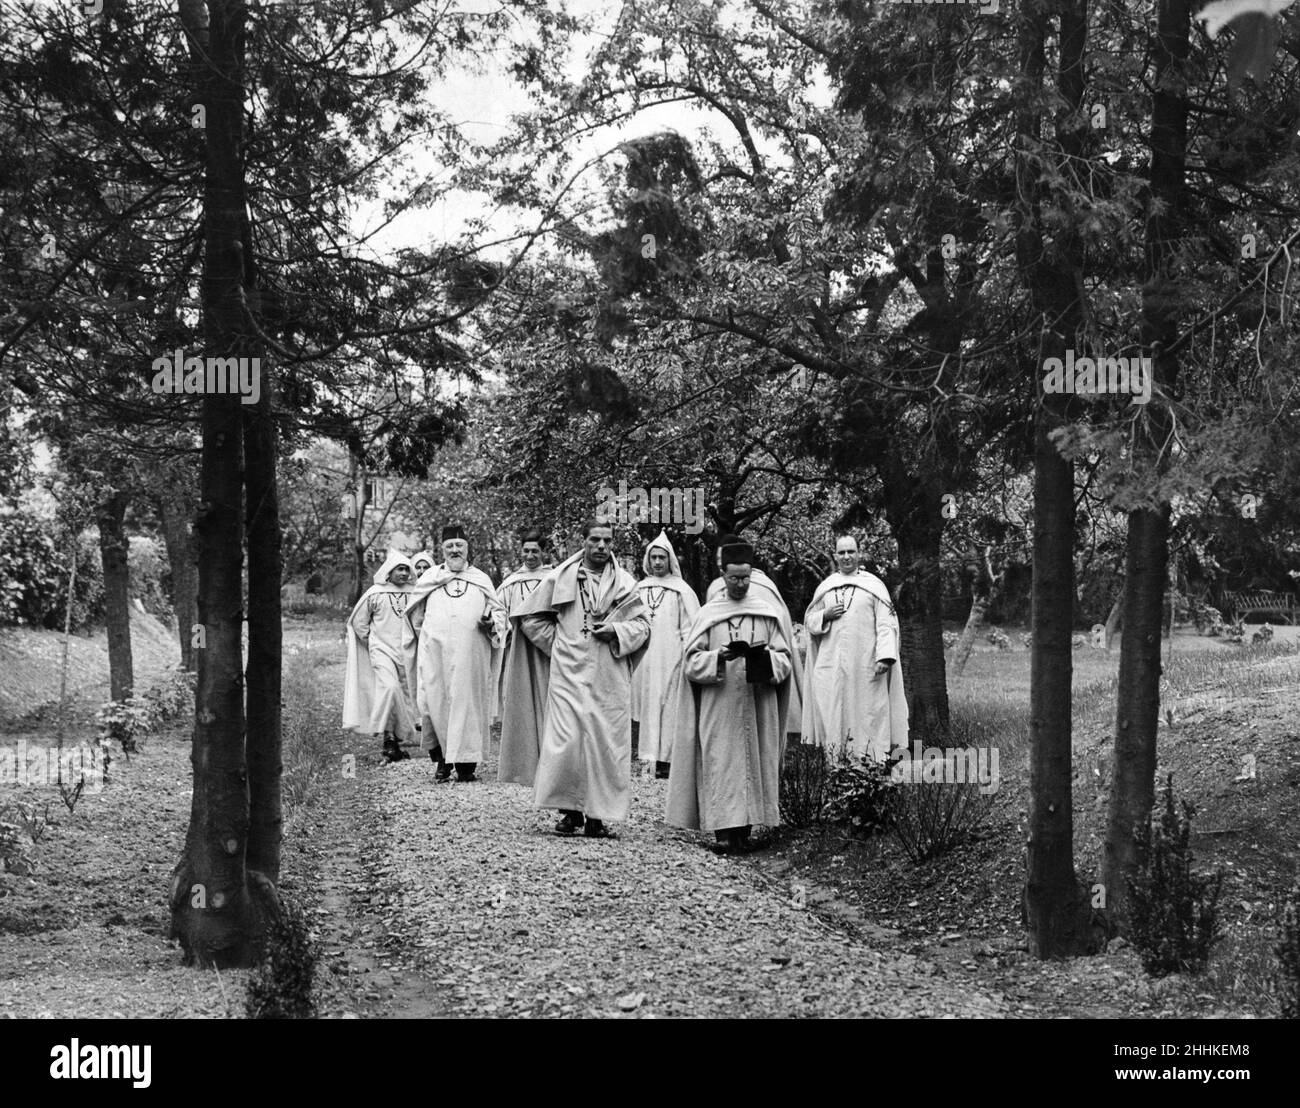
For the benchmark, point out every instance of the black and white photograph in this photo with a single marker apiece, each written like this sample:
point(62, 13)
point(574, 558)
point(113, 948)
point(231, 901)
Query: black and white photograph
point(651, 509)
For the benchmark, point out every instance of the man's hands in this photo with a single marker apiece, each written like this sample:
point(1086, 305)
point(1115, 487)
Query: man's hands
point(604, 632)
point(832, 612)
point(884, 667)
point(734, 649)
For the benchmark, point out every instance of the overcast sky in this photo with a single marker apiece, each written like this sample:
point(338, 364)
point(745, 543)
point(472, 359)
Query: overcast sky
point(483, 103)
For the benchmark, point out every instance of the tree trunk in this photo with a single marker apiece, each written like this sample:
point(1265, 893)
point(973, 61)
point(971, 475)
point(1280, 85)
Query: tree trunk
point(914, 511)
point(974, 621)
point(218, 913)
point(1138, 704)
point(114, 548)
point(264, 638)
point(1113, 620)
point(1057, 908)
point(175, 508)
point(362, 500)
point(1137, 709)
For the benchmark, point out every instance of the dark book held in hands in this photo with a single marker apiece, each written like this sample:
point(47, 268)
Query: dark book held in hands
point(758, 664)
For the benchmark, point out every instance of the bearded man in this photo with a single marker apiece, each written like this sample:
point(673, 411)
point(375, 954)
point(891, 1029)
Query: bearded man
point(672, 605)
point(460, 624)
point(855, 701)
point(588, 617)
point(524, 671)
point(726, 768)
point(375, 696)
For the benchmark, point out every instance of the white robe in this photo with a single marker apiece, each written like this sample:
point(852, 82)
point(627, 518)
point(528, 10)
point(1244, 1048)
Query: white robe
point(375, 697)
point(585, 761)
point(766, 586)
point(453, 668)
point(671, 605)
point(512, 592)
point(525, 678)
point(726, 771)
point(847, 705)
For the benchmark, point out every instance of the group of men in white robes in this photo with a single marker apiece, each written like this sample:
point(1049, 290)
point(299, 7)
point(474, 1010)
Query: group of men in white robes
point(427, 665)
point(568, 657)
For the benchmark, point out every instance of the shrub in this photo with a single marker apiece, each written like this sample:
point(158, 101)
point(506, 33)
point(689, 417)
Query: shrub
point(21, 827)
point(1287, 977)
point(805, 774)
point(88, 596)
point(931, 818)
point(128, 721)
point(998, 638)
point(859, 793)
point(173, 696)
point(1262, 636)
point(282, 985)
point(125, 722)
point(30, 572)
point(1206, 617)
point(1173, 916)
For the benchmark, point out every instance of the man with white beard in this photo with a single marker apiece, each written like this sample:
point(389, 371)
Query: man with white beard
point(375, 699)
point(672, 605)
point(524, 672)
point(460, 624)
point(587, 615)
point(854, 701)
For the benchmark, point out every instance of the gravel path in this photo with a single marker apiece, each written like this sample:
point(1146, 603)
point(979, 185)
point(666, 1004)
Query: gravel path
point(475, 908)
point(443, 899)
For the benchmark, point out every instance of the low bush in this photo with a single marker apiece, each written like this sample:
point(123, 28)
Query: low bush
point(127, 721)
point(930, 818)
point(805, 774)
point(283, 985)
point(1173, 915)
point(859, 794)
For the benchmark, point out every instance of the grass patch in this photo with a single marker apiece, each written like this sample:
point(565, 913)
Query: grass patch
point(1242, 972)
point(308, 716)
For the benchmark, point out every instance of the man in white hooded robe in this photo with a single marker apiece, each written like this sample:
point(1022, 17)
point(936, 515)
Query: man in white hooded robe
point(375, 695)
point(671, 605)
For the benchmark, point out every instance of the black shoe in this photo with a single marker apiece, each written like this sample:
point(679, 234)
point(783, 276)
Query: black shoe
point(393, 751)
point(661, 770)
point(465, 771)
point(444, 772)
point(571, 822)
point(596, 829)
